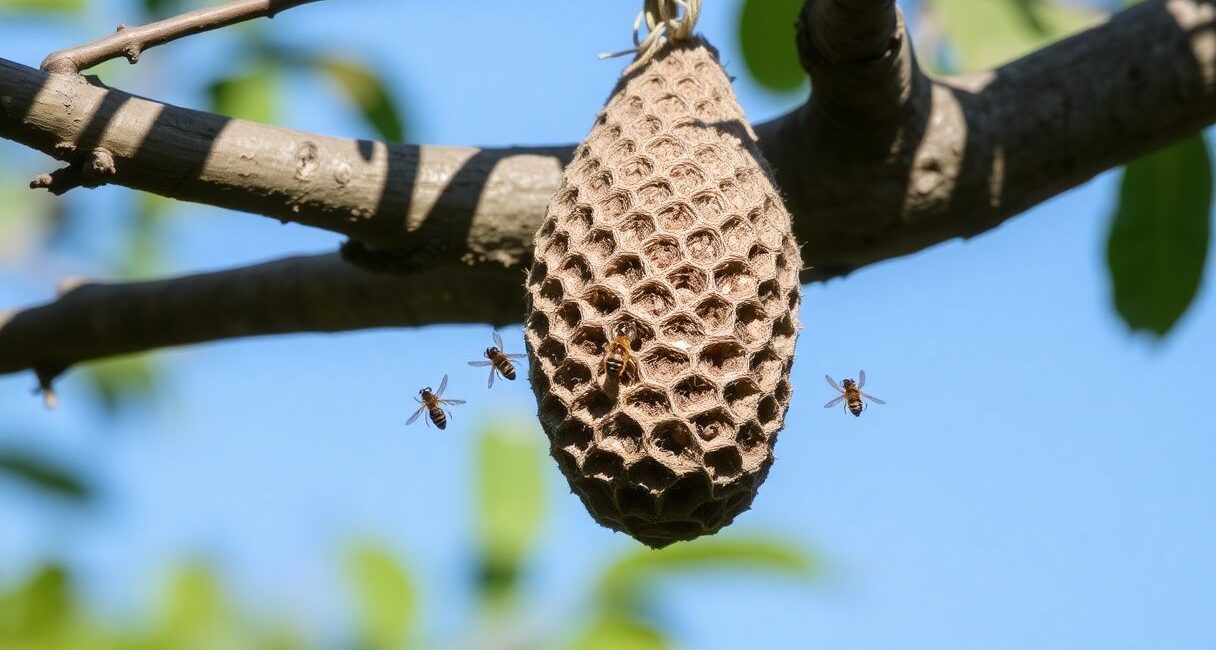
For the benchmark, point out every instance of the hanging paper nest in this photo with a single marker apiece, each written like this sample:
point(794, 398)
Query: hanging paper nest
point(667, 220)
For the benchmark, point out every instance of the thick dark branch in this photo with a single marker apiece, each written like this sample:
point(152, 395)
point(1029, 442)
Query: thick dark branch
point(132, 41)
point(931, 161)
point(320, 293)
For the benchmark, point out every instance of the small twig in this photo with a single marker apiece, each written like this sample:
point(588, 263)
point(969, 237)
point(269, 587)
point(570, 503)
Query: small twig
point(91, 171)
point(46, 384)
point(130, 42)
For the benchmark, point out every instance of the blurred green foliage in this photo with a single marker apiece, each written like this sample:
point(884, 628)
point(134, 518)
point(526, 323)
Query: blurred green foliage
point(766, 37)
point(194, 612)
point(44, 476)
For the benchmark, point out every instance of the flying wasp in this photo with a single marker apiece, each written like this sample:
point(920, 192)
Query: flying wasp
point(499, 361)
point(618, 362)
point(851, 394)
point(432, 404)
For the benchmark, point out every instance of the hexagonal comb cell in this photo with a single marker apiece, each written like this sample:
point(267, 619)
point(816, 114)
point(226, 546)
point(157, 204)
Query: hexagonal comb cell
point(623, 433)
point(591, 340)
point(694, 392)
point(551, 291)
point(552, 411)
point(676, 217)
point(625, 270)
point(538, 324)
point(750, 435)
point(738, 235)
point(713, 424)
point(681, 328)
point(635, 228)
point(636, 170)
point(572, 375)
point(665, 363)
point(604, 465)
point(631, 107)
point(710, 205)
point(602, 300)
point(735, 279)
point(665, 148)
point(621, 150)
point(673, 437)
point(574, 434)
point(704, 246)
point(603, 135)
point(654, 193)
point(741, 395)
point(670, 104)
point(662, 251)
point(715, 312)
point(615, 204)
point(558, 244)
point(596, 404)
point(647, 401)
point(751, 322)
point(577, 270)
point(599, 243)
point(578, 220)
point(762, 261)
point(766, 367)
point(724, 464)
point(566, 198)
point(686, 494)
point(688, 282)
point(651, 475)
point(770, 294)
point(653, 298)
point(552, 352)
point(686, 177)
point(713, 160)
point(646, 126)
point(724, 357)
point(568, 316)
point(768, 411)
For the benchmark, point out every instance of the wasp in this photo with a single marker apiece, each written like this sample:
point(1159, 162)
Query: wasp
point(618, 362)
point(499, 361)
point(851, 394)
point(432, 404)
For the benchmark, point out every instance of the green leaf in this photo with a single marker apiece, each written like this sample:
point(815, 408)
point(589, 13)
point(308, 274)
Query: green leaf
point(44, 476)
point(510, 502)
point(385, 595)
point(158, 9)
point(194, 604)
point(619, 633)
point(625, 582)
point(249, 95)
point(1159, 235)
point(43, 6)
point(364, 90)
point(39, 607)
point(766, 37)
point(986, 33)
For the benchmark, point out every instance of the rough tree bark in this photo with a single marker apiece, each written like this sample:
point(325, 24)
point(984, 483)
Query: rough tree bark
point(881, 161)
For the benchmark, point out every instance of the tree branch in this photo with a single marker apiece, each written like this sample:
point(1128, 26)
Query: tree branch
point(320, 293)
point(870, 170)
point(133, 41)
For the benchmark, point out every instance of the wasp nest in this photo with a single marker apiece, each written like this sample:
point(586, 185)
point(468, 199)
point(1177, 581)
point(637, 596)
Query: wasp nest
point(667, 220)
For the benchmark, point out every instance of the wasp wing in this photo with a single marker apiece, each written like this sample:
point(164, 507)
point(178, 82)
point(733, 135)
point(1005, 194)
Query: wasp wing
point(873, 399)
point(415, 415)
point(861, 379)
point(515, 356)
point(493, 371)
point(453, 402)
point(498, 340)
point(442, 385)
point(833, 402)
point(833, 384)
point(480, 363)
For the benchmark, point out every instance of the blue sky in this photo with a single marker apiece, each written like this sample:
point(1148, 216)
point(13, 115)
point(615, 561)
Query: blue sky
point(1039, 477)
